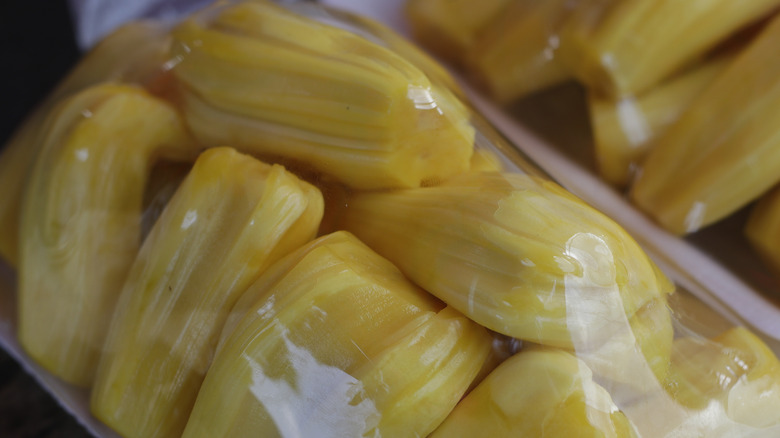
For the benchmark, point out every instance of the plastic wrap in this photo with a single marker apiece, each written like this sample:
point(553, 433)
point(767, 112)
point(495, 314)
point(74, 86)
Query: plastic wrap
point(291, 228)
point(692, 149)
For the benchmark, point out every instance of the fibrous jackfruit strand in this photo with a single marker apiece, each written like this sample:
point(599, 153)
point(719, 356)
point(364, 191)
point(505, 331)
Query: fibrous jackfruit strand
point(81, 219)
point(334, 341)
point(230, 219)
point(133, 53)
point(515, 253)
point(273, 83)
point(538, 393)
point(723, 152)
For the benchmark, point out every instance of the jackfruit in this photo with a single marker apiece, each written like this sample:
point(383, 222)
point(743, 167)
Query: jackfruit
point(637, 353)
point(134, 53)
point(724, 151)
point(763, 228)
point(735, 371)
point(625, 129)
point(515, 253)
point(81, 219)
point(334, 341)
point(450, 28)
point(516, 54)
point(230, 219)
point(538, 393)
point(276, 84)
point(381, 34)
point(622, 48)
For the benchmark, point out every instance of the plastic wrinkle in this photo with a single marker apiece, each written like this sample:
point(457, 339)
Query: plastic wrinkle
point(319, 401)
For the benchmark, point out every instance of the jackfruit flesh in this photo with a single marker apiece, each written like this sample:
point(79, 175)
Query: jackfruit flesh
point(623, 48)
point(334, 341)
point(381, 34)
point(723, 152)
point(230, 219)
point(735, 370)
point(538, 393)
point(625, 129)
point(279, 85)
point(516, 54)
point(134, 53)
point(513, 252)
point(81, 220)
point(763, 228)
point(637, 353)
point(451, 28)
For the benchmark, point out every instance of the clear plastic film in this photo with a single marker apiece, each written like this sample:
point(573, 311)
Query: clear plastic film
point(295, 225)
point(675, 102)
point(661, 78)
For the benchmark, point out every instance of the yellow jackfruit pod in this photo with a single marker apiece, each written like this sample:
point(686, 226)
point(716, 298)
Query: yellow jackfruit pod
point(624, 129)
point(516, 54)
point(538, 393)
point(333, 340)
point(133, 53)
point(485, 160)
point(382, 35)
point(230, 219)
point(734, 372)
point(724, 151)
point(623, 48)
point(450, 28)
point(514, 252)
point(763, 228)
point(165, 177)
point(638, 351)
point(274, 83)
point(81, 219)
point(503, 347)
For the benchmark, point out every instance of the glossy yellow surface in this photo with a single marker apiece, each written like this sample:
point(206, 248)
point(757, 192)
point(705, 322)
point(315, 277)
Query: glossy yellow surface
point(334, 341)
point(134, 53)
point(81, 220)
point(763, 228)
point(515, 253)
point(229, 220)
point(622, 48)
point(625, 129)
point(735, 371)
point(724, 151)
point(273, 83)
point(538, 393)
point(516, 53)
point(638, 351)
point(450, 28)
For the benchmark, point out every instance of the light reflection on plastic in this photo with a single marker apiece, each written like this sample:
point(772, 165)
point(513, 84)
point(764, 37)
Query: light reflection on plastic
point(173, 62)
point(754, 402)
point(599, 403)
point(695, 217)
point(422, 98)
point(596, 319)
point(189, 218)
point(553, 42)
point(320, 402)
point(82, 154)
point(632, 122)
point(472, 292)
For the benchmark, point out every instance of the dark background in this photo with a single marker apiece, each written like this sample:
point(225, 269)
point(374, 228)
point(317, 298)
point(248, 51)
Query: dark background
point(37, 48)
